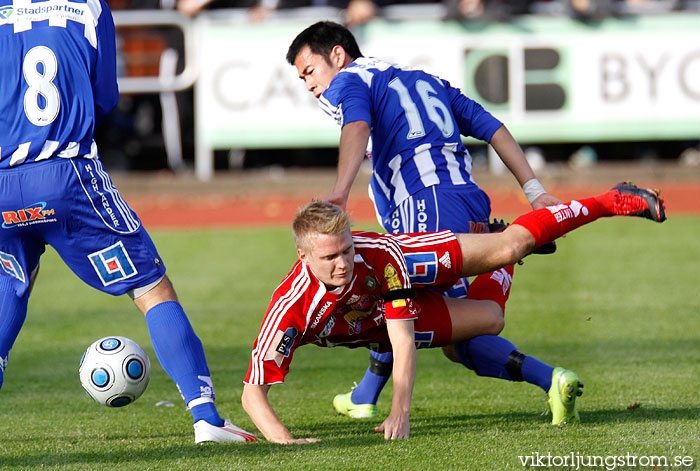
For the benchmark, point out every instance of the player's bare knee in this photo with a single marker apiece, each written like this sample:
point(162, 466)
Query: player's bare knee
point(496, 319)
point(511, 252)
point(153, 294)
point(520, 242)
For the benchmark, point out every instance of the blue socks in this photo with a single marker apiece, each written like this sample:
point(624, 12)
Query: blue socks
point(13, 312)
point(181, 355)
point(376, 376)
point(487, 355)
point(490, 355)
point(380, 364)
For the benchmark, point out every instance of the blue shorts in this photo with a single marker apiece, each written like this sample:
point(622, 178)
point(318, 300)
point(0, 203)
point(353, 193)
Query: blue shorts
point(433, 209)
point(460, 210)
point(72, 205)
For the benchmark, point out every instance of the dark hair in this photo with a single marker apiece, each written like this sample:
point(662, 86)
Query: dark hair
point(322, 37)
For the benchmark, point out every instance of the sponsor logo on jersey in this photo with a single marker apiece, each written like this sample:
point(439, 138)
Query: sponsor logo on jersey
point(285, 345)
point(503, 278)
point(69, 10)
point(563, 212)
point(36, 213)
point(320, 314)
point(330, 323)
point(354, 316)
point(392, 278)
point(363, 303)
point(112, 264)
point(355, 328)
point(5, 12)
point(11, 266)
point(370, 282)
point(281, 345)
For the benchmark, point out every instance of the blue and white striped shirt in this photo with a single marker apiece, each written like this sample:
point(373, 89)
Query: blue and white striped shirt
point(65, 83)
point(415, 119)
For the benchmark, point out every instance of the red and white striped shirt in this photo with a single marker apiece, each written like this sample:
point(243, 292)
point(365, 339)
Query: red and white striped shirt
point(303, 311)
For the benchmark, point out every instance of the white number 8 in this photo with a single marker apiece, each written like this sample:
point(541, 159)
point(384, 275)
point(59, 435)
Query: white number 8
point(41, 84)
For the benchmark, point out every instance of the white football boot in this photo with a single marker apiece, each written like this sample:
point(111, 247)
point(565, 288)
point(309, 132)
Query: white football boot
point(205, 432)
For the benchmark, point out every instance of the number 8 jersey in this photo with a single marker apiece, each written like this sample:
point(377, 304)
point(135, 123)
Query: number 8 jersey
point(65, 83)
point(415, 120)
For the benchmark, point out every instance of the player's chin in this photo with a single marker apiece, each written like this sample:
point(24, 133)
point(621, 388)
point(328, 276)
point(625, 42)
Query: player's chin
point(341, 280)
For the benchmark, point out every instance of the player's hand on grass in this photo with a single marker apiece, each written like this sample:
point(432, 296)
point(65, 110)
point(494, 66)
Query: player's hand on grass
point(298, 441)
point(287, 439)
point(394, 427)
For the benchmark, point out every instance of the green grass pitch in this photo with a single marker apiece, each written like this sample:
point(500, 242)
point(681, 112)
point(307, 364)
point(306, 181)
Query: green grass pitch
point(619, 303)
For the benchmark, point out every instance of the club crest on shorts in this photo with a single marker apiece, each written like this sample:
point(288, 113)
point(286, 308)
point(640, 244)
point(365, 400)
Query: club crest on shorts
point(112, 264)
point(11, 266)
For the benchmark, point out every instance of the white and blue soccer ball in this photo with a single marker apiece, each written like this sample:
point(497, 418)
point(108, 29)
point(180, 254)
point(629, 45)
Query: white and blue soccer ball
point(114, 371)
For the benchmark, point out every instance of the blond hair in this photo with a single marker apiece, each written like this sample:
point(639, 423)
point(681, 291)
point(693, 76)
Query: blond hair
point(318, 217)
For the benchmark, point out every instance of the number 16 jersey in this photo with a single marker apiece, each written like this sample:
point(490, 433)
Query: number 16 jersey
point(415, 120)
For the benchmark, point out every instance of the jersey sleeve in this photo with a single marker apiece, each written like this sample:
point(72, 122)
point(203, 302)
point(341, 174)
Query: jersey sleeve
point(104, 75)
point(472, 118)
point(395, 283)
point(347, 99)
point(280, 334)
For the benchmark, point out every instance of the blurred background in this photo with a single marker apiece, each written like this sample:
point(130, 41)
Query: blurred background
point(205, 88)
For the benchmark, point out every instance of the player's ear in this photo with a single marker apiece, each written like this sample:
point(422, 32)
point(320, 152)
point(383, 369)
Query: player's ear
point(302, 255)
point(339, 57)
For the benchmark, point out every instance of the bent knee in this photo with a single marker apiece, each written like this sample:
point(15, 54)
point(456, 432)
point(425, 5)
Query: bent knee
point(510, 253)
point(450, 352)
point(517, 243)
point(497, 319)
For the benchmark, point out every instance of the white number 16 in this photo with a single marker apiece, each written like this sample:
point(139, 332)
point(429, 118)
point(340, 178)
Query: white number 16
point(431, 103)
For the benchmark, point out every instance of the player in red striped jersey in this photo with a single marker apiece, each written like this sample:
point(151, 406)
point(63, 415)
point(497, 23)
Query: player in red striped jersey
point(364, 289)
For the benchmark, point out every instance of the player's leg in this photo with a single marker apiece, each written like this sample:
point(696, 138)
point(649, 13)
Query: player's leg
point(116, 255)
point(181, 354)
point(484, 253)
point(13, 311)
point(496, 357)
point(430, 209)
point(20, 250)
point(14, 296)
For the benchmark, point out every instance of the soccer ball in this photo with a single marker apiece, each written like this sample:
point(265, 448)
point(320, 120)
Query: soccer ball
point(114, 371)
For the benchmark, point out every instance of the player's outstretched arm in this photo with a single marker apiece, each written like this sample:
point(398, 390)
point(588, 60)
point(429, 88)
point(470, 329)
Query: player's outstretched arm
point(258, 408)
point(513, 157)
point(402, 336)
point(353, 144)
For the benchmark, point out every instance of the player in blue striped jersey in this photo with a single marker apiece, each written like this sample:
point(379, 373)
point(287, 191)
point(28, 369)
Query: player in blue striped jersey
point(58, 80)
point(410, 124)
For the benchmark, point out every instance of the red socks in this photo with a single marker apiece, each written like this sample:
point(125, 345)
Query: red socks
point(494, 286)
point(548, 224)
